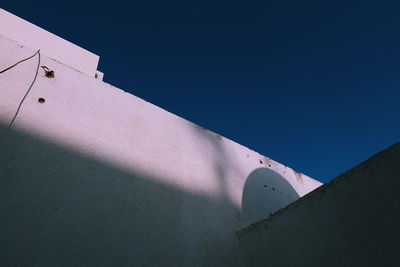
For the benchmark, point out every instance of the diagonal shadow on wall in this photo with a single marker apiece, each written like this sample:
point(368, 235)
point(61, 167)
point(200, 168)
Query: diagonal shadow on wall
point(62, 208)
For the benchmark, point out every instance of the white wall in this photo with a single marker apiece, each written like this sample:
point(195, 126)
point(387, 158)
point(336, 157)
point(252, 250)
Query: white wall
point(98, 176)
point(34, 37)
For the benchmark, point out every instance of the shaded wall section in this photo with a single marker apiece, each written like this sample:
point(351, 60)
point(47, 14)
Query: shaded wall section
point(352, 221)
point(60, 208)
point(265, 192)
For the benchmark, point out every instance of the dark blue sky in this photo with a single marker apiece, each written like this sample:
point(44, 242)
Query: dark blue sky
point(311, 84)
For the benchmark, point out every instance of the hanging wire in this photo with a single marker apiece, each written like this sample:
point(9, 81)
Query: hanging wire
point(6, 69)
point(30, 87)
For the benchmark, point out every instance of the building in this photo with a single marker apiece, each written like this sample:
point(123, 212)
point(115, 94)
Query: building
point(92, 175)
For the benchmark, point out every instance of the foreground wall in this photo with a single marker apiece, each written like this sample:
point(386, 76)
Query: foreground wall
point(352, 221)
point(90, 174)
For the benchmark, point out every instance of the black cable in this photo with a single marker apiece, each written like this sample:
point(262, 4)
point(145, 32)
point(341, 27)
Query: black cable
point(6, 69)
point(30, 87)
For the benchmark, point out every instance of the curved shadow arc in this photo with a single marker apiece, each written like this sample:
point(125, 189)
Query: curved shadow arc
point(265, 192)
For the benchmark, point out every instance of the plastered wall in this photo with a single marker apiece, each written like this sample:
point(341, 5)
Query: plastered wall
point(93, 175)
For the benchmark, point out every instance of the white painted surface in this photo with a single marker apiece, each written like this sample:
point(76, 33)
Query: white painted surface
point(99, 75)
point(198, 176)
point(34, 37)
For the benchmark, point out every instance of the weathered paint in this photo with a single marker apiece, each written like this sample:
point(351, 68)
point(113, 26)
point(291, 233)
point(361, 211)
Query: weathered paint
point(94, 175)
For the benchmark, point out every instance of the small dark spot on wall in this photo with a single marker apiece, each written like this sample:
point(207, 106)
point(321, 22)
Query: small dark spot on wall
point(49, 72)
point(247, 155)
point(219, 137)
point(273, 188)
point(266, 160)
point(269, 165)
point(200, 127)
point(261, 162)
point(41, 100)
point(265, 185)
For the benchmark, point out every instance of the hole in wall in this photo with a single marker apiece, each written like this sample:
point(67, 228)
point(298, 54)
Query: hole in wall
point(41, 100)
point(49, 72)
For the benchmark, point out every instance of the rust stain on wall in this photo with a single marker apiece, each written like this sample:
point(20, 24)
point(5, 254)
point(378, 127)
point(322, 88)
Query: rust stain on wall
point(299, 176)
point(267, 161)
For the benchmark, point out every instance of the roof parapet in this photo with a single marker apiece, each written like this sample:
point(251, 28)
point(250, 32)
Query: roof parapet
point(53, 46)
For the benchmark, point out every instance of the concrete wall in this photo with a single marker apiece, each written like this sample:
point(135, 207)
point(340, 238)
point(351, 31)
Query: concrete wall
point(97, 176)
point(352, 221)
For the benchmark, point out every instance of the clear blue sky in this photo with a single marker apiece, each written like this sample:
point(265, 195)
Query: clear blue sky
point(311, 84)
